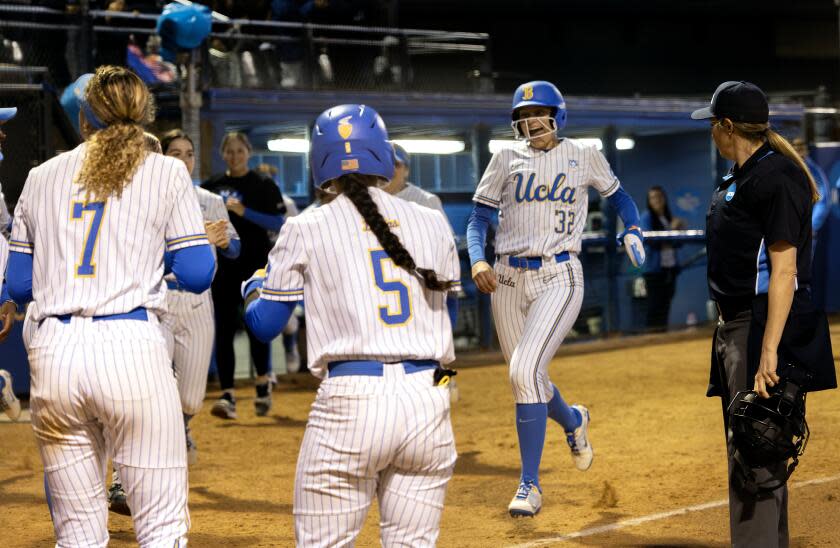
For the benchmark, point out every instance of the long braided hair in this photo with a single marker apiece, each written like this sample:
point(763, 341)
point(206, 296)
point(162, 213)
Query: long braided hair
point(355, 187)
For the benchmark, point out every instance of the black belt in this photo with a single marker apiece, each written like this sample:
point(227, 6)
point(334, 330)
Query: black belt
point(730, 308)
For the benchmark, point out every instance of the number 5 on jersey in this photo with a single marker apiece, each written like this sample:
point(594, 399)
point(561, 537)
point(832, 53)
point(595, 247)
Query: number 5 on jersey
point(86, 268)
point(403, 314)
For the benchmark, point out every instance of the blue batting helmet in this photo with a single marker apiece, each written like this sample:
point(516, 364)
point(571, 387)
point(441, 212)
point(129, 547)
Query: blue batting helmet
point(350, 139)
point(540, 93)
point(183, 27)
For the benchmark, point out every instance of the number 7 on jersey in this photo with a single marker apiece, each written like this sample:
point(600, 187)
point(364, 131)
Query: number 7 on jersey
point(86, 268)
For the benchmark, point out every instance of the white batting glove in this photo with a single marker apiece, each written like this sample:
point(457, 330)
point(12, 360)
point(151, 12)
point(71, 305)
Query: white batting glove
point(633, 242)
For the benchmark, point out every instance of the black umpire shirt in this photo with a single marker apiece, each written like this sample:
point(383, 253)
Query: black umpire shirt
point(764, 201)
point(260, 194)
point(767, 200)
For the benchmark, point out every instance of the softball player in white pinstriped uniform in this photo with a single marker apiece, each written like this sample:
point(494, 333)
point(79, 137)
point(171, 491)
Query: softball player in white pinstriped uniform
point(539, 187)
point(190, 329)
point(377, 333)
point(87, 244)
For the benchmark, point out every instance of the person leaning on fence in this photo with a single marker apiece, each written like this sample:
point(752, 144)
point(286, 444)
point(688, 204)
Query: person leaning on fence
point(661, 267)
point(759, 247)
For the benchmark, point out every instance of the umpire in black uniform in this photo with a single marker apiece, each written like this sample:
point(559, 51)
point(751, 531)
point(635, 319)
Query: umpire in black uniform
point(758, 231)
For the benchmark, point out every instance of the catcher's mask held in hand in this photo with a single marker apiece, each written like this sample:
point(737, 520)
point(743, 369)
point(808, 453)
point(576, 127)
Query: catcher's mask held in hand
point(767, 432)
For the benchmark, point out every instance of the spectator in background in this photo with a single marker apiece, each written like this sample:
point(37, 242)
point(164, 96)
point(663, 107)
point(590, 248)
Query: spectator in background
point(256, 208)
point(661, 267)
point(821, 208)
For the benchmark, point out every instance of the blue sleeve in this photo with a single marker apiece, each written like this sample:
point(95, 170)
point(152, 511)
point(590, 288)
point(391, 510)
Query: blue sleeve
point(233, 249)
point(266, 319)
point(19, 277)
point(4, 293)
point(452, 307)
point(821, 208)
point(477, 228)
point(265, 220)
point(194, 267)
point(626, 207)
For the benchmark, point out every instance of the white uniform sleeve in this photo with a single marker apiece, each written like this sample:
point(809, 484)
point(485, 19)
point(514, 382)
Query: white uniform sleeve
point(286, 265)
point(23, 233)
point(601, 176)
point(450, 269)
point(5, 218)
point(185, 227)
point(219, 213)
point(491, 185)
point(4, 256)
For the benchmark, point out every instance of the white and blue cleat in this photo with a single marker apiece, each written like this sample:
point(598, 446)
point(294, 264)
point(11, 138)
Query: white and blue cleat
point(578, 441)
point(8, 401)
point(527, 502)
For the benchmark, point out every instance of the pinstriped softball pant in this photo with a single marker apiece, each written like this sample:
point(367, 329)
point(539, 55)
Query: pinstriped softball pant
point(533, 311)
point(389, 437)
point(189, 331)
point(105, 389)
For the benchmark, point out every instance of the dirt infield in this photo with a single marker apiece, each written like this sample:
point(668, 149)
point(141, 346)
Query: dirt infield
point(659, 457)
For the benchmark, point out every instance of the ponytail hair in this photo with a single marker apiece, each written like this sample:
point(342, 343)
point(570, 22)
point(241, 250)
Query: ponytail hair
point(782, 146)
point(355, 187)
point(117, 105)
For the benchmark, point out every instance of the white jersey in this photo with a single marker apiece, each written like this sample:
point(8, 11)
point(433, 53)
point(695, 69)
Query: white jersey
point(359, 304)
point(212, 209)
point(542, 196)
point(5, 218)
point(104, 257)
point(413, 193)
point(4, 256)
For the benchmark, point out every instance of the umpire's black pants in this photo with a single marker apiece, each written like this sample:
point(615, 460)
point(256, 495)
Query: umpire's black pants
point(767, 527)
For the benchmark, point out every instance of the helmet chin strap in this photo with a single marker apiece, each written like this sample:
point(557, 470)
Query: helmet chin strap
point(522, 131)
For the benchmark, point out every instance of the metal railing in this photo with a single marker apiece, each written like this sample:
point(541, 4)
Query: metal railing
point(244, 53)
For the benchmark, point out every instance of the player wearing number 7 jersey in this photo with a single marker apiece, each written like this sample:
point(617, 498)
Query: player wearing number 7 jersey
point(539, 187)
point(88, 241)
point(374, 271)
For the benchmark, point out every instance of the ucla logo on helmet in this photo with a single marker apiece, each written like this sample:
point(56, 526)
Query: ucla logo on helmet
point(528, 93)
point(345, 128)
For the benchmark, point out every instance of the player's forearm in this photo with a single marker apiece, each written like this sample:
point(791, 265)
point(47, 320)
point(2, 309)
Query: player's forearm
point(232, 250)
point(19, 277)
point(266, 319)
point(452, 308)
point(264, 220)
point(625, 206)
point(477, 228)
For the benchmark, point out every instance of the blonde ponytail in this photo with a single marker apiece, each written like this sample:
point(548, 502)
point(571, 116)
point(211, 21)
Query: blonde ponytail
point(783, 146)
point(121, 105)
point(754, 132)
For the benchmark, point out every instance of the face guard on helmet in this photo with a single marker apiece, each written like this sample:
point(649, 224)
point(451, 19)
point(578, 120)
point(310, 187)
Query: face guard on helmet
point(767, 433)
point(349, 139)
point(543, 94)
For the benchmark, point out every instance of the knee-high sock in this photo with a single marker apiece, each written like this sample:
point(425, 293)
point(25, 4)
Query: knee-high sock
point(530, 427)
point(559, 411)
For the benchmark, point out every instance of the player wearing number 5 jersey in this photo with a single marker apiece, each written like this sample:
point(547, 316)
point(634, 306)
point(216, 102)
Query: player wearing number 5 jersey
point(88, 241)
point(539, 187)
point(374, 271)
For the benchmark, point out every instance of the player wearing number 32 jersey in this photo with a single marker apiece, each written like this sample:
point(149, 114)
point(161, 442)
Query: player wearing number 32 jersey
point(539, 187)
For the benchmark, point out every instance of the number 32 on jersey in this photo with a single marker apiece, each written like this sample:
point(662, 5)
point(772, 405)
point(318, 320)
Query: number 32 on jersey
point(84, 211)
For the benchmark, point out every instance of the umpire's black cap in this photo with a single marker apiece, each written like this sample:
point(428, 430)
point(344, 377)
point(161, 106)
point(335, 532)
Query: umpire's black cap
point(738, 101)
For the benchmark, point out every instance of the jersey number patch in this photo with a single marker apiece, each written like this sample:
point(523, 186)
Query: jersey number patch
point(86, 268)
point(387, 286)
point(565, 221)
